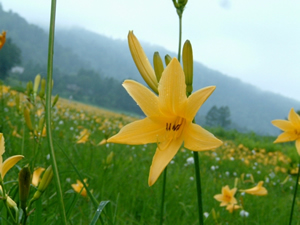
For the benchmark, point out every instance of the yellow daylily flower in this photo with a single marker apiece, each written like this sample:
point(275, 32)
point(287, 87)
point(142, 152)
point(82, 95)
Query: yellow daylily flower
point(36, 177)
point(232, 207)
point(2, 39)
point(141, 61)
point(227, 196)
point(291, 129)
point(9, 162)
point(258, 190)
point(79, 186)
point(169, 119)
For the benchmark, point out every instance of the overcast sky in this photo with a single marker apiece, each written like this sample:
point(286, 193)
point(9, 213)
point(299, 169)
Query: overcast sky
point(257, 41)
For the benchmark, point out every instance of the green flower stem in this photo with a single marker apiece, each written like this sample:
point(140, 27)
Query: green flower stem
point(295, 193)
point(163, 197)
point(180, 34)
point(48, 113)
point(198, 183)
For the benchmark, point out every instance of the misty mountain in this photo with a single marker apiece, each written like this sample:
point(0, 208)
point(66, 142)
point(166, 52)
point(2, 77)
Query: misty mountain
point(77, 48)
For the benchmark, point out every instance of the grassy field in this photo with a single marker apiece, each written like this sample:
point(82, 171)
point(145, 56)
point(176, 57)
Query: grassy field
point(119, 173)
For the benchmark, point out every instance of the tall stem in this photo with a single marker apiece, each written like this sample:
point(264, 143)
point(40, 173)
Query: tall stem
point(295, 193)
point(163, 197)
point(48, 113)
point(180, 34)
point(198, 183)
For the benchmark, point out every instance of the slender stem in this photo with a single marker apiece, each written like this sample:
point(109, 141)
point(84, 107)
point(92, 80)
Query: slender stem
point(180, 34)
point(198, 183)
point(163, 197)
point(48, 113)
point(295, 193)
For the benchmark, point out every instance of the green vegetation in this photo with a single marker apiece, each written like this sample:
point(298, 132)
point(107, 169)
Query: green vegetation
point(121, 177)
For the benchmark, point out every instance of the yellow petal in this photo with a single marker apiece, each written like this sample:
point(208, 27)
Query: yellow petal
point(232, 207)
point(294, 118)
point(9, 163)
point(286, 136)
point(195, 101)
point(36, 176)
point(162, 157)
point(198, 139)
point(139, 132)
point(141, 61)
point(146, 99)
point(283, 125)
point(258, 190)
point(172, 90)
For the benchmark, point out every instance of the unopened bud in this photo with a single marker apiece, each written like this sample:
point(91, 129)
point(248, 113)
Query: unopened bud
point(36, 84)
point(187, 60)
point(29, 88)
point(47, 177)
point(41, 123)
point(109, 158)
point(24, 185)
point(55, 100)
point(43, 88)
point(27, 118)
point(158, 65)
point(168, 59)
point(10, 203)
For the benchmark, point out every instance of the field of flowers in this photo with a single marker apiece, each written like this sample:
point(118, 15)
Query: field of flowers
point(119, 173)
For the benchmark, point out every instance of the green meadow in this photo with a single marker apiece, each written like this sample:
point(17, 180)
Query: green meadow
point(119, 173)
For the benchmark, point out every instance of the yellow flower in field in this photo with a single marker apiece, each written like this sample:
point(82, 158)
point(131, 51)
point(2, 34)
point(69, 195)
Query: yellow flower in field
point(227, 196)
point(291, 129)
point(8, 163)
point(2, 39)
point(232, 207)
point(83, 137)
point(258, 190)
point(36, 176)
point(169, 119)
point(79, 188)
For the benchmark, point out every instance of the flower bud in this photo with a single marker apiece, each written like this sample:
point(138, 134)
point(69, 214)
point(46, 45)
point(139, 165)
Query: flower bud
point(41, 123)
point(29, 88)
point(24, 185)
point(187, 60)
point(43, 88)
point(36, 84)
point(10, 203)
point(27, 118)
point(47, 177)
point(109, 158)
point(158, 65)
point(55, 100)
point(168, 59)
point(141, 61)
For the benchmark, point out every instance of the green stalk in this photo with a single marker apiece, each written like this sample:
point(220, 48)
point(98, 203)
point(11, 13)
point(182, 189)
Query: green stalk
point(295, 193)
point(198, 183)
point(163, 197)
point(48, 113)
point(180, 34)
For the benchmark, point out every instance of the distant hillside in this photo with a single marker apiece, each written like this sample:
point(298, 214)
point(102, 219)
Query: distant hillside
point(251, 108)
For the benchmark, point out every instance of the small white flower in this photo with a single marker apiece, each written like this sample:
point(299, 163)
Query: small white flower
point(267, 180)
point(217, 158)
point(244, 213)
point(68, 180)
point(213, 168)
point(48, 157)
point(190, 160)
point(191, 178)
point(227, 173)
point(172, 162)
point(206, 214)
point(231, 158)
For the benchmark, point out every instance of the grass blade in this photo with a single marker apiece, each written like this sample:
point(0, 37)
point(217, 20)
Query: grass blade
point(98, 212)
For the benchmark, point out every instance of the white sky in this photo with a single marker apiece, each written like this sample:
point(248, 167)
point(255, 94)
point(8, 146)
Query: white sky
point(257, 41)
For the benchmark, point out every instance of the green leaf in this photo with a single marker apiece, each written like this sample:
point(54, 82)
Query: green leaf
point(98, 212)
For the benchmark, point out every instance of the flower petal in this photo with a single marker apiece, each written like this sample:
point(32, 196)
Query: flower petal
point(294, 118)
point(2, 149)
point(36, 176)
point(162, 157)
point(198, 139)
point(196, 100)
point(172, 90)
point(9, 163)
point(285, 137)
point(283, 125)
point(146, 99)
point(139, 132)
